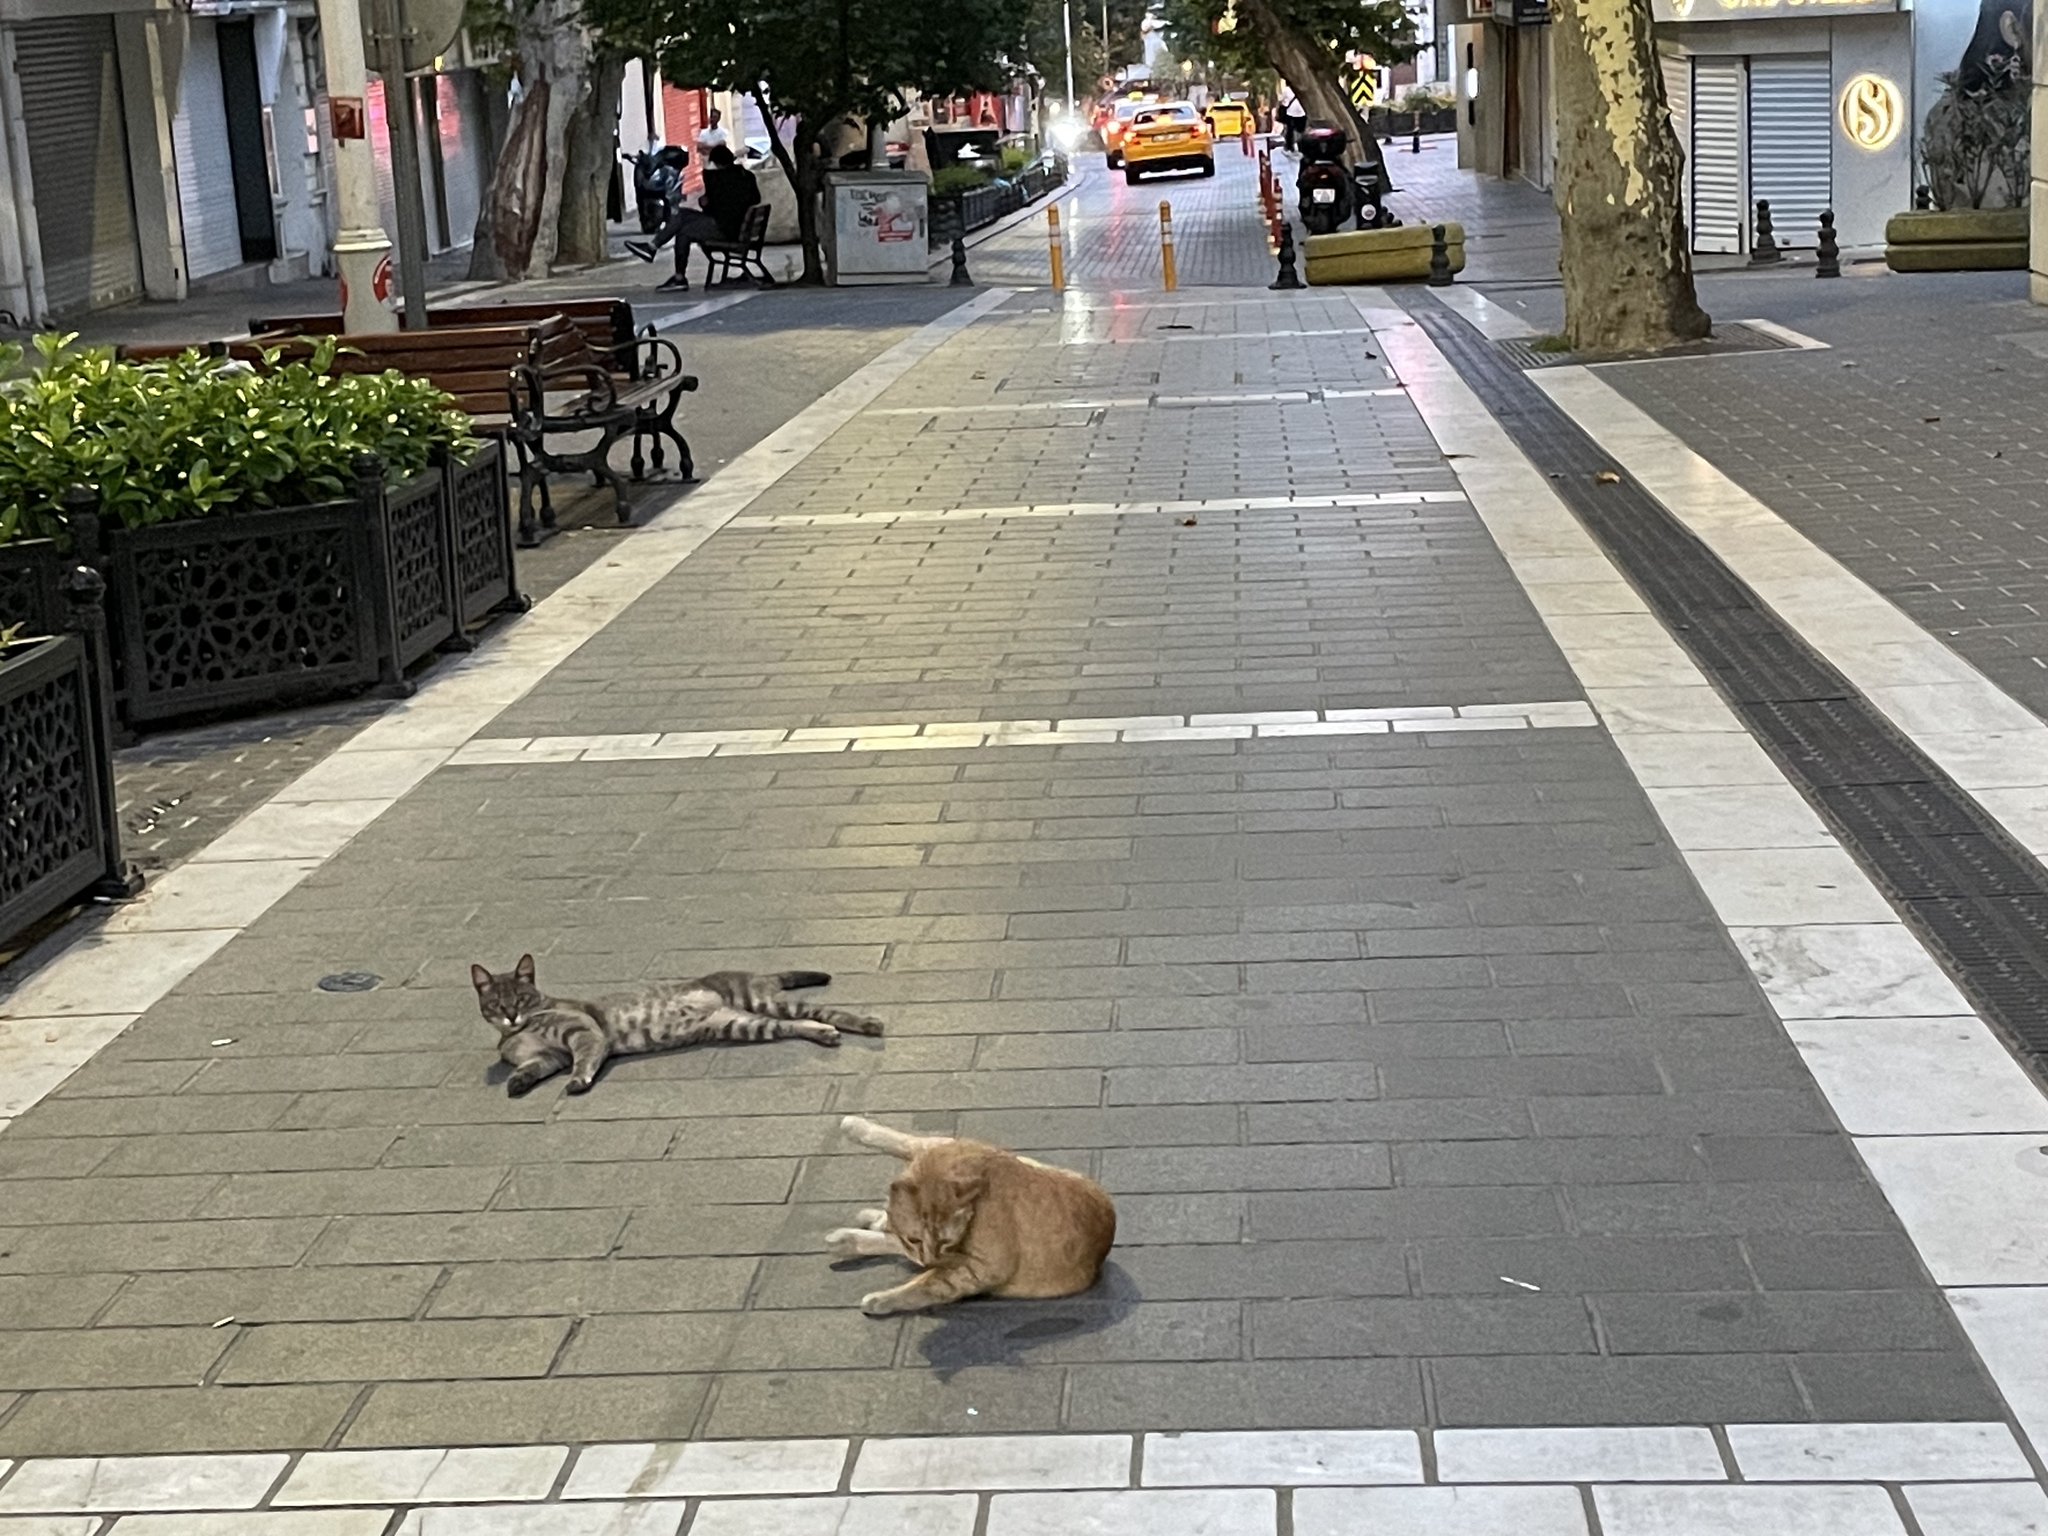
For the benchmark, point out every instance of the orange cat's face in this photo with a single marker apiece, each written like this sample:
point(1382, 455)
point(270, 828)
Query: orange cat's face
point(930, 1211)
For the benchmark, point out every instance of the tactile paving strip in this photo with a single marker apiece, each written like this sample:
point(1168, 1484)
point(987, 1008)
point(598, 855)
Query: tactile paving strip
point(1976, 898)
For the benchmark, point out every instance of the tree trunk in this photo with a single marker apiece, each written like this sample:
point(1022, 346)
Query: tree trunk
point(509, 215)
point(593, 150)
point(1627, 274)
point(1307, 64)
point(803, 173)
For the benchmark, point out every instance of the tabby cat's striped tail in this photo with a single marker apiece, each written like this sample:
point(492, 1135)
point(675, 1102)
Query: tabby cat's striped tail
point(838, 1018)
point(791, 981)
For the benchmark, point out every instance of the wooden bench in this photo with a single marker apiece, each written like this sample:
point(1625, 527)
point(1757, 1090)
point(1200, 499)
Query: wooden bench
point(740, 255)
point(644, 368)
point(519, 381)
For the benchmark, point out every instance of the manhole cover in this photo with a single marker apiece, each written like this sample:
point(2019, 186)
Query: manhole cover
point(349, 981)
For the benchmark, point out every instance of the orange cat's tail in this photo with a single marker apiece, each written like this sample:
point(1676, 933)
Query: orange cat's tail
point(896, 1143)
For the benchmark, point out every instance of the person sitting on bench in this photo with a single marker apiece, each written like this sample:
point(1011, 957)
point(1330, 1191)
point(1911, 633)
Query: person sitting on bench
point(729, 191)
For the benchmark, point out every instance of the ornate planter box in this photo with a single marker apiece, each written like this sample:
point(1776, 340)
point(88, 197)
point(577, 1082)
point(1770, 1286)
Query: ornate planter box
point(58, 838)
point(250, 611)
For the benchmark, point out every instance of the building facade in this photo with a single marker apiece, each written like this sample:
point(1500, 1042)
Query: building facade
point(151, 147)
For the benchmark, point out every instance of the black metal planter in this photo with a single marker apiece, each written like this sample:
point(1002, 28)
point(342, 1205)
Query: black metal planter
point(249, 611)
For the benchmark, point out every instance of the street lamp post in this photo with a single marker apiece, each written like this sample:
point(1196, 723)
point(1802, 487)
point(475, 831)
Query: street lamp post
point(361, 249)
point(1067, 25)
point(392, 37)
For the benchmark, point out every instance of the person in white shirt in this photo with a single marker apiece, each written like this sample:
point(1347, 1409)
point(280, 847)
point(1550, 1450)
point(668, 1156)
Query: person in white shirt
point(711, 136)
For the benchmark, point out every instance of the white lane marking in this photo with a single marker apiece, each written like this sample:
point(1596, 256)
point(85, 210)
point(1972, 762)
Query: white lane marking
point(1675, 731)
point(933, 735)
point(1642, 1456)
point(1140, 402)
point(1494, 321)
point(1219, 505)
point(118, 972)
point(703, 309)
point(1786, 334)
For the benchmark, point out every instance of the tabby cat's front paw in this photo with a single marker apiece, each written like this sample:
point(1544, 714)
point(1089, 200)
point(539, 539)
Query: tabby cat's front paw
point(873, 1217)
point(883, 1303)
point(579, 1085)
point(517, 1087)
point(844, 1242)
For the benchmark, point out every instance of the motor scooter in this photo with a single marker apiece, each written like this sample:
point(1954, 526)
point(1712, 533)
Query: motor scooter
point(658, 184)
point(1323, 187)
point(1328, 192)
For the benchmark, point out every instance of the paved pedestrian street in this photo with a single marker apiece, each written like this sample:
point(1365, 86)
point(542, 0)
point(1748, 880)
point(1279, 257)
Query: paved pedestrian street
point(1231, 770)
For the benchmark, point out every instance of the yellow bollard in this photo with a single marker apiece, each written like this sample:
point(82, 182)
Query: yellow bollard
point(1166, 244)
point(1055, 250)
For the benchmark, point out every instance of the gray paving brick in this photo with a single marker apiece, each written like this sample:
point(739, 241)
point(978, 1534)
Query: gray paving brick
point(1581, 1264)
point(1277, 1082)
point(1880, 1386)
point(29, 1302)
point(1520, 1076)
point(906, 1402)
point(347, 1192)
point(157, 1420)
point(1782, 1322)
point(455, 1238)
point(588, 1287)
point(1388, 1120)
point(1506, 1390)
point(112, 1357)
point(579, 1186)
point(631, 1343)
point(1547, 1160)
point(1295, 1394)
point(1138, 1170)
point(1277, 1269)
point(32, 1202)
point(1781, 1206)
point(1369, 1042)
point(101, 1247)
point(246, 1152)
point(1740, 1112)
point(1838, 1261)
point(252, 1296)
point(394, 1351)
point(607, 1142)
point(1329, 1328)
point(531, 1412)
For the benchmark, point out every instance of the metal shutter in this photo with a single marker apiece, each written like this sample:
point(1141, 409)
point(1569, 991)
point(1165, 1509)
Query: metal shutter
point(78, 161)
point(1716, 161)
point(1791, 142)
point(1677, 72)
point(199, 139)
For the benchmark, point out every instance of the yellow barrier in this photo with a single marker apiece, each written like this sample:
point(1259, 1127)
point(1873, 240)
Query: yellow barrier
point(1166, 244)
point(1054, 249)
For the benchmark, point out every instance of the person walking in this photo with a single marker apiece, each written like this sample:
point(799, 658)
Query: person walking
point(712, 136)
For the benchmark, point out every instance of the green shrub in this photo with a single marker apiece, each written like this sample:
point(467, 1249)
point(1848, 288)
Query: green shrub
point(1426, 98)
point(191, 436)
point(1015, 158)
point(952, 180)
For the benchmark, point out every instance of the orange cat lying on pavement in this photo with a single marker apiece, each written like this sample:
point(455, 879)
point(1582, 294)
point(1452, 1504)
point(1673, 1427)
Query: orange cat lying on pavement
point(982, 1222)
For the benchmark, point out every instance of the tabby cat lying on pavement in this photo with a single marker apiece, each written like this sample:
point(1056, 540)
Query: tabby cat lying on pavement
point(982, 1222)
point(541, 1035)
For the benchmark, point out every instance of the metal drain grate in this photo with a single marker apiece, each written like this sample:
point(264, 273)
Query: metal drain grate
point(1976, 898)
point(1728, 337)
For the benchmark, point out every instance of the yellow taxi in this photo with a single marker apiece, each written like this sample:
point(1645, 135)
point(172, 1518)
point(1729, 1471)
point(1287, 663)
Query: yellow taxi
point(1169, 136)
point(1227, 117)
point(1117, 121)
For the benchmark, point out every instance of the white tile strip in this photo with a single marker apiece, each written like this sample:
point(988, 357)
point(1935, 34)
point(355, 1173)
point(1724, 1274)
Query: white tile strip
point(1975, 1204)
point(1811, 1453)
point(912, 736)
point(1532, 1511)
point(263, 1522)
point(481, 1474)
point(1979, 1509)
point(878, 1514)
point(1841, 1510)
point(118, 971)
point(1127, 402)
point(1218, 506)
point(1645, 1453)
point(994, 1461)
point(1150, 1512)
point(1295, 1458)
point(641, 1518)
point(706, 1467)
point(84, 1484)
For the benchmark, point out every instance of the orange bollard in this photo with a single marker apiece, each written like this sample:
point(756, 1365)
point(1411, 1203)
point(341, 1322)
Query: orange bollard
point(1245, 136)
point(1166, 245)
point(1055, 249)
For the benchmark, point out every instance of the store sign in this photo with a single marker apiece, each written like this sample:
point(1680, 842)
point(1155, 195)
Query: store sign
point(1532, 13)
point(1764, 10)
point(1872, 111)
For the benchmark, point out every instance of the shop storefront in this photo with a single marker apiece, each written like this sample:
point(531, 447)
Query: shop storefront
point(1804, 104)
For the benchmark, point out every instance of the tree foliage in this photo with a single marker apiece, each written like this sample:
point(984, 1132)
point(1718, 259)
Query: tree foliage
point(816, 63)
point(1045, 50)
point(1303, 41)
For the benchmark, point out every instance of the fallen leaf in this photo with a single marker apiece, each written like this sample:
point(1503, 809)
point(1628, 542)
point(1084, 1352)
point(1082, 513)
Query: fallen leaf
point(1930, 420)
point(225, 1321)
point(1608, 477)
point(1187, 522)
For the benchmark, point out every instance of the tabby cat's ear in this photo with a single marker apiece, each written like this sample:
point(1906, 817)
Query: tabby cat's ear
point(966, 1188)
point(479, 977)
point(524, 969)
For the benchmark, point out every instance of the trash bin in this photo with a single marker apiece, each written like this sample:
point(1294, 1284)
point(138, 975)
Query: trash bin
point(876, 227)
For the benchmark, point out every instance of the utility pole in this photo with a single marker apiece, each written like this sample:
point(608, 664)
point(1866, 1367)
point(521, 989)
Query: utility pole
point(1067, 23)
point(392, 37)
point(361, 249)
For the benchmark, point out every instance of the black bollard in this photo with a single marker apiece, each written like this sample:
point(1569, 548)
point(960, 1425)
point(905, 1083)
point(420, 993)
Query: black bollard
point(959, 279)
point(1439, 258)
point(1288, 277)
point(1766, 246)
point(1830, 264)
point(1415, 142)
point(1923, 197)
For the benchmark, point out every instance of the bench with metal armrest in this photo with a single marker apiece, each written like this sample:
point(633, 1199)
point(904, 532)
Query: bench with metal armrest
point(741, 255)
